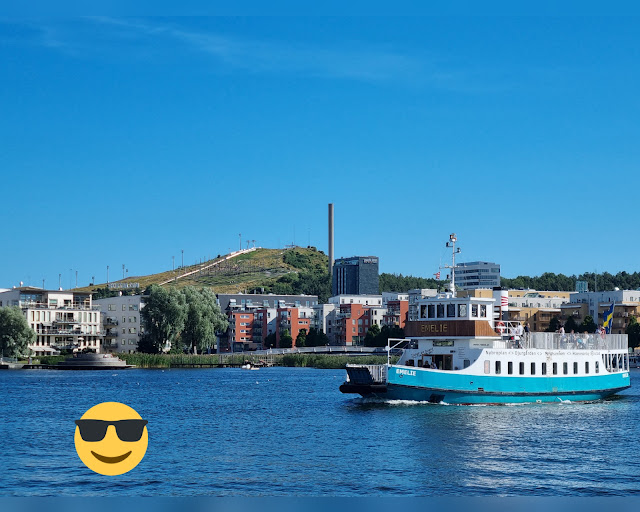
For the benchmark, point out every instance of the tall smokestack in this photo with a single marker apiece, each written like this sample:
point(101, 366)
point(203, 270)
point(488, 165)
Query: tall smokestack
point(331, 239)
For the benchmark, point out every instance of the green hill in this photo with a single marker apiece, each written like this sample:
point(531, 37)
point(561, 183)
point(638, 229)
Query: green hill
point(284, 271)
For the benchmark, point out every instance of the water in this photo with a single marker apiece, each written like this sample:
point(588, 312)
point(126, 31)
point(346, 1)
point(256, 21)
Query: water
point(290, 432)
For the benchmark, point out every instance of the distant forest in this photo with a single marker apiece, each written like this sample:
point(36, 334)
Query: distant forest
point(547, 281)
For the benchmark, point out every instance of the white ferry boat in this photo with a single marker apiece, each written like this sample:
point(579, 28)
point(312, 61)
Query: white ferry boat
point(457, 352)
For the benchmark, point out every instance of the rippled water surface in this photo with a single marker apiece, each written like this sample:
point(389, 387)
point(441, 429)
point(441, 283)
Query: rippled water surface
point(289, 431)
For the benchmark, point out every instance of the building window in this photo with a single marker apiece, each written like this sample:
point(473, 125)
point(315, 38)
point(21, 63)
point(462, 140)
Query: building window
point(124, 307)
point(112, 307)
point(133, 307)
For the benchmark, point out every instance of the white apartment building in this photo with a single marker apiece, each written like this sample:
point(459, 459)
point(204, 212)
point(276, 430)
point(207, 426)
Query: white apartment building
point(62, 320)
point(365, 300)
point(122, 323)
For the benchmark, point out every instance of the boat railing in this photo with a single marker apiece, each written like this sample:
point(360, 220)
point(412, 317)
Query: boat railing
point(378, 372)
point(571, 341)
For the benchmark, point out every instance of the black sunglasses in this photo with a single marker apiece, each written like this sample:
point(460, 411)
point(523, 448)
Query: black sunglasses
point(95, 430)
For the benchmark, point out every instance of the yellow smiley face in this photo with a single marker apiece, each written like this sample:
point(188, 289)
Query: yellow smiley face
point(111, 438)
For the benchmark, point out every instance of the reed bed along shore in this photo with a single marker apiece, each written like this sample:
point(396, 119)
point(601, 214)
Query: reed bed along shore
point(321, 361)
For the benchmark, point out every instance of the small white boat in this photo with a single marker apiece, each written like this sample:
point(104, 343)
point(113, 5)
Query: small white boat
point(249, 366)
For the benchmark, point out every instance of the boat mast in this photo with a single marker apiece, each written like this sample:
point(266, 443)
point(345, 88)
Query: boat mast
point(452, 243)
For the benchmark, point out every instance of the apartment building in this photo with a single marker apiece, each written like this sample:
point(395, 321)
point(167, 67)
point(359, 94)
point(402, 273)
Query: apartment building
point(626, 305)
point(356, 275)
point(252, 317)
point(121, 322)
point(62, 320)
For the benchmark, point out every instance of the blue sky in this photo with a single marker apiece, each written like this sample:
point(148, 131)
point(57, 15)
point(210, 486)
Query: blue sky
point(126, 140)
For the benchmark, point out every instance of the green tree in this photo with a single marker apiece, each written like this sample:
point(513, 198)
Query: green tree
point(316, 338)
point(163, 316)
point(301, 338)
point(286, 341)
point(15, 333)
point(633, 331)
point(372, 333)
point(571, 325)
point(203, 319)
point(588, 324)
point(270, 340)
point(554, 324)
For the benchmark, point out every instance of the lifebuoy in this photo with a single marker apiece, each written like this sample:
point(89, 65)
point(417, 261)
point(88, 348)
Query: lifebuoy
point(500, 327)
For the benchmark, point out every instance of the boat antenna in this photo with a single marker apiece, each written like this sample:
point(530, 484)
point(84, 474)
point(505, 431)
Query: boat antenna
point(452, 243)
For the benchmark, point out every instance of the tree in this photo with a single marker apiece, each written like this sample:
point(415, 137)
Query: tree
point(301, 339)
point(372, 333)
point(270, 340)
point(203, 319)
point(15, 332)
point(163, 316)
point(286, 341)
point(571, 325)
point(633, 331)
point(554, 324)
point(588, 324)
point(316, 338)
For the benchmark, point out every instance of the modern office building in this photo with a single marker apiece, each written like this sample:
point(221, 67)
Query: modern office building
point(122, 322)
point(62, 320)
point(356, 276)
point(477, 274)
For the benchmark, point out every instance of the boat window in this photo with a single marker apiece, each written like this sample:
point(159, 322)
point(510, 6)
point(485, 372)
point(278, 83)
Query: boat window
point(586, 367)
point(451, 310)
point(432, 311)
point(497, 367)
point(409, 362)
point(555, 368)
point(487, 367)
point(440, 310)
point(466, 363)
point(474, 310)
point(510, 368)
point(483, 310)
point(533, 368)
point(575, 368)
point(597, 367)
point(521, 368)
point(462, 310)
point(544, 368)
point(565, 368)
point(423, 311)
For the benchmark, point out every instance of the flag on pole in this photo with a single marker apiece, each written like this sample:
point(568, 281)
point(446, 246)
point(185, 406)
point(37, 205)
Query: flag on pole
point(607, 319)
point(437, 274)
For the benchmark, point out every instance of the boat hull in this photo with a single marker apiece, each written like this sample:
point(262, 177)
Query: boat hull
point(435, 386)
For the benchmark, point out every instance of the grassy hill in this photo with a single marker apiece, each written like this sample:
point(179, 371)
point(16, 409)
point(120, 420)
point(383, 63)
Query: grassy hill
point(295, 270)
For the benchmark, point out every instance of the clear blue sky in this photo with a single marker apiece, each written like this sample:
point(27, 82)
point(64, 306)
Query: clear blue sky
point(127, 140)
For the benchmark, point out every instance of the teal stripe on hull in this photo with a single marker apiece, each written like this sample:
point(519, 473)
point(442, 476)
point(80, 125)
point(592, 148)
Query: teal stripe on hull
point(405, 383)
